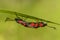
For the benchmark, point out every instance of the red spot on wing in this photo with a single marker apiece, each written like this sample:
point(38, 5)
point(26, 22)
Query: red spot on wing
point(32, 24)
point(24, 24)
point(41, 24)
point(19, 21)
point(36, 25)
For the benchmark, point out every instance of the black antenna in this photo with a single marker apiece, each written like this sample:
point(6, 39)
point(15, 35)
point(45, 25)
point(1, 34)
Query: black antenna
point(51, 27)
point(8, 19)
point(17, 16)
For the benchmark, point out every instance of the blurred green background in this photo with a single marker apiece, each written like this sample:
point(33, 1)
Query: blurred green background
point(46, 9)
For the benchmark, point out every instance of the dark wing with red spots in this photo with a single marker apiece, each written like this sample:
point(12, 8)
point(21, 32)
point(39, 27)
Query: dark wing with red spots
point(26, 16)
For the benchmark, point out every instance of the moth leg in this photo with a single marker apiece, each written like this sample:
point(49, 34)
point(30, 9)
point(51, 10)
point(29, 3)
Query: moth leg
point(52, 27)
point(19, 17)
point(37, 21)
point(8, 19)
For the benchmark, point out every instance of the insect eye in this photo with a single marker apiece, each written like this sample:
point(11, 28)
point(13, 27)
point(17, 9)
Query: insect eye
point(45, 23)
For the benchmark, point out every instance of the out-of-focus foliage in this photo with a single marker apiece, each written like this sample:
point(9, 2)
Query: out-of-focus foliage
point(46, 9)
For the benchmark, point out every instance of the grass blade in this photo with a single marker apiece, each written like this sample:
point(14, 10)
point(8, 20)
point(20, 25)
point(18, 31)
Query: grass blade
point(26, 16)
